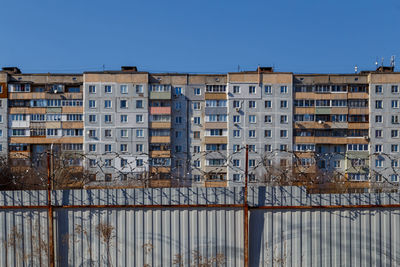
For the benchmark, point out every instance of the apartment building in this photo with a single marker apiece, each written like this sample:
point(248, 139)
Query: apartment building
point(191, 129)
point(260, 116)
point(42, 113)
point(384, 126)
point(116, 140)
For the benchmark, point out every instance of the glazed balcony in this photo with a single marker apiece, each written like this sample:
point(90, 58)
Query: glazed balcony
point(160, 110)
point(160, 95)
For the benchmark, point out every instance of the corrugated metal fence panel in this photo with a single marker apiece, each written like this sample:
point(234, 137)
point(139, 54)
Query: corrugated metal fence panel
point(23, 198)
point(297, 196)
point(157, 237)
point(23, 236)
point(149, 196)
point(320, 237)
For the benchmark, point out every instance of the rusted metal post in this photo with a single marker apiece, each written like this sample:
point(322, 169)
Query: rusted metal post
point(50, 214)
point(246, 211)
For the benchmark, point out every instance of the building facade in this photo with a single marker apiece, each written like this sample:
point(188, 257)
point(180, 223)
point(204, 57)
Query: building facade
point(192, 129)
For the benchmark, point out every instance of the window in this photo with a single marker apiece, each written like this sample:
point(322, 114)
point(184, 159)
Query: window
point(236, 133)
point(378, 177)
point(252, 119)
point(108, 176)
point(379, 163)
point(395, 163)
point(284, 119)
point(139, 147)
point(107, 133)
point(252, 90)
point(196, 149)
point(252, 104)
point(267, 89)
point(124, 162)
point(92, 103)
point(124, 89)
point(196, 120)
point(178, 149)
point(196, 178)
point(236, 163)
point(178, 120)
point(92, 147)
point(395, 148)
point(92, 89)
point(92, 162)
point(124, 133)
point(92, 118)
point(252, 148)
point(378, 148)
point(236, 89)
point(178, 105)
point(197, 91)
point(393, 177)
point(92, 133)
point(395, 119)
point(267, 148)
point(178, 134)
point(139, 89)
point(196, 163)
point(336, 164)
point(236, 104)
point(123, 104)
point(252, 162)
point(378, 89)
point(252, 133)
point(236, 148)
point(378, 118)
point(378, 133)
point(51, 132)
point(139, 103)
point(107, 148)
point(196, 106)
point(196, 135)
point(395, 89)
point(107, 89)
point(178, 91)
point(107, 103)
point(236, 177)
point(236, 119)
point(394, 133)
point(139, 118)
point(284, 104)
point(395, 104)
point(378, 104)
point(284, 89)
point(107, 119)
point(267, 133)
point(284, 134)
point(283, 147)
point(124, 118)
point(139, 133)
point(268, 118)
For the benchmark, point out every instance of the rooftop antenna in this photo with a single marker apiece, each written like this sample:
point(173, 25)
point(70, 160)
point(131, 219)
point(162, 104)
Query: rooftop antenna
point(376, 62)
point(382, 61)
point(392, 59)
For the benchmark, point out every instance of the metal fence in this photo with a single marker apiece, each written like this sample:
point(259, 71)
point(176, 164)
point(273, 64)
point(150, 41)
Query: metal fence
point(192, 226)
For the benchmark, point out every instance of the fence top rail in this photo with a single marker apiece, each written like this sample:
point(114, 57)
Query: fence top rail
point(258, 196)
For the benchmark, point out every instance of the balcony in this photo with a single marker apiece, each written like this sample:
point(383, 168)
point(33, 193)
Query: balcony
point(160, 154)
point(160, 110)
point(216, 183)
point(358, 111)
point(357, 95)
point(212, 96)
point(160, 169)
point(216, 125)
point(329, 140)
point(160, 125)
point(216, 139)
point(160, 139)
point(160, 95)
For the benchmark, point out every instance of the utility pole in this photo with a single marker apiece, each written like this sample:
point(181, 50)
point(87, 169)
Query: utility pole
point(246, 211)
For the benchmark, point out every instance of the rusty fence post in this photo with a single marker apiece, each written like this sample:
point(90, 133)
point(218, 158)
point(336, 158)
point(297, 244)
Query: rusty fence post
point(246, 212)
point(50, 214)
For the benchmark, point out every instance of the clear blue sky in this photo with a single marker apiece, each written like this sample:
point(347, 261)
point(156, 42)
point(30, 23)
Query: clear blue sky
point(199, 36)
